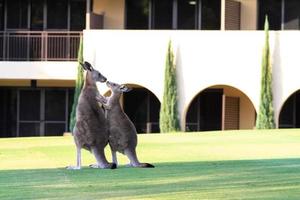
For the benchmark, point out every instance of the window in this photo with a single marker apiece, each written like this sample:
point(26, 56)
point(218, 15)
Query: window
point(57, 14)
point(55, 103)
point(292, 14)
point(162, 17)
point(173, 14)
point(279, 18)
point(1, 15)
point(17, 17)
point(211, 14)
point(40, 111)
point(78, 8)
point(43, 14)
point(186, 14)
point(137, 14)
point(30, 105)
point(37, 15)
point(272, 8)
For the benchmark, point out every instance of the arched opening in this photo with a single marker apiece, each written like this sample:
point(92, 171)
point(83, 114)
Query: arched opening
point(142, 107)
point(290, 113)
point(220, 108)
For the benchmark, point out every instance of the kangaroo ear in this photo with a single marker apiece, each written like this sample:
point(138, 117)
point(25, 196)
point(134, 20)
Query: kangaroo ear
point(87, 66)
point(124, 88)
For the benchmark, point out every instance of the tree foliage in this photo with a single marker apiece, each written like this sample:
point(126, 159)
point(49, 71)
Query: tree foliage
point(265, 117)
point(168, 119)
point(78, 86)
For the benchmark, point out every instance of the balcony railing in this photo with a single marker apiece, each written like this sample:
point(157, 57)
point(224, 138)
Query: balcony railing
point(39, 46)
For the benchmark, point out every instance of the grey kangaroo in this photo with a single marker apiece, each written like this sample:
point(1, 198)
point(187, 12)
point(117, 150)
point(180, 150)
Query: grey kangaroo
point(122, 132)
point(91, 131)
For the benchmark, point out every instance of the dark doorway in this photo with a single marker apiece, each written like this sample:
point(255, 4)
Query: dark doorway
point(142, 107)
point(8, 110)
point(205, 111)
point(290, 113)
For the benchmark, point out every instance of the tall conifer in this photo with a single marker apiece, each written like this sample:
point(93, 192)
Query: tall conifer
point(78, 85)
point(265, 117)
point(168, 120)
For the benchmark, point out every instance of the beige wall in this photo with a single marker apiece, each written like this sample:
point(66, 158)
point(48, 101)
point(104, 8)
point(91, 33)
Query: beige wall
point(38, 70)
point(248, 14)
point(10, 82)
point(55, 83)
point(113, 11)
point(40, 83)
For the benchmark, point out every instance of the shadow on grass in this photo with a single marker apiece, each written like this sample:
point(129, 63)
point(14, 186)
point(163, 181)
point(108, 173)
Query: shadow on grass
point(242, 179)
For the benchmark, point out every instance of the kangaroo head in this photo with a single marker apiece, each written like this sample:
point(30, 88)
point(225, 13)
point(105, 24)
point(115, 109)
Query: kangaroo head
point(92, 75)
point(116, 88)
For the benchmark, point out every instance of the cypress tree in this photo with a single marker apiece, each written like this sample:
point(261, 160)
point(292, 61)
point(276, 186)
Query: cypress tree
point(78, 85)
point(168, 119)
point(265, 117)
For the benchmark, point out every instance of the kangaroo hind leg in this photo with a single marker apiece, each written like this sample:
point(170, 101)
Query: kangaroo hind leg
point(101, 159)
point(134, 162)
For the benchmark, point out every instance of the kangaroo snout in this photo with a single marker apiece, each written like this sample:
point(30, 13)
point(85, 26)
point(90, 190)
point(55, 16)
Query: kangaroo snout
point(108, 84)
point(103, 79)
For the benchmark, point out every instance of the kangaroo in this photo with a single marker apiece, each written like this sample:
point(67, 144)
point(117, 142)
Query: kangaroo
point(91, 131)
point(122, 132)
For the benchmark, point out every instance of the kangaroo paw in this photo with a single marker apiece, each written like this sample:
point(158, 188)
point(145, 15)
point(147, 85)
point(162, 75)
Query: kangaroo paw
point(94, 166)
point(73, 167)
point(141, 165)
point(108, 166)
point(113, 165)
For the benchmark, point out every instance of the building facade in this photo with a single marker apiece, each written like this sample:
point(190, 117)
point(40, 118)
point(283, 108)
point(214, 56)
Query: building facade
point(217, 44)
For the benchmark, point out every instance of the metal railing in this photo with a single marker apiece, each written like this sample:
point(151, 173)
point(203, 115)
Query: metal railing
point(39, 45)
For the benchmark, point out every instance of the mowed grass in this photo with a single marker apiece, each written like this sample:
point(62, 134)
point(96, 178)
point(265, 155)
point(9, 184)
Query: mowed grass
point(207, 165)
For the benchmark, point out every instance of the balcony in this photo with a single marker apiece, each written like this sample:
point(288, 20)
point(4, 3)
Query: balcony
point(39, 45)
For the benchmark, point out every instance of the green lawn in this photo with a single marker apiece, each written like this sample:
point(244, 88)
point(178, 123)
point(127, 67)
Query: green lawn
point(211, 165)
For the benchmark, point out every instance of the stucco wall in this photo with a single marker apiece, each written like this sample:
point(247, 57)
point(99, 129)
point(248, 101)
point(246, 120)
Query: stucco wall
point(113, 11)
point(204, 59)
point(12, 82)
point(43, 70)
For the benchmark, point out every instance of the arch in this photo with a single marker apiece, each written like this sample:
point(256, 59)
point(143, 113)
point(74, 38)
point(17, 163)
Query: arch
point(219, 107)
point(289, 115)
point(142, 107)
